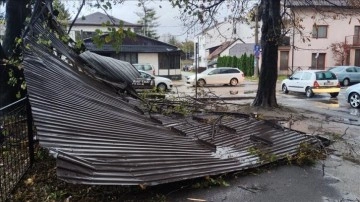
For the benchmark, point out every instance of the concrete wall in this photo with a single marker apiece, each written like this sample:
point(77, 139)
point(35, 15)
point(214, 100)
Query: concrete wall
point(151, 58)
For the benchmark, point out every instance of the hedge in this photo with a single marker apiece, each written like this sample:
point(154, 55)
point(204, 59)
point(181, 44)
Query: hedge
point(244, 63)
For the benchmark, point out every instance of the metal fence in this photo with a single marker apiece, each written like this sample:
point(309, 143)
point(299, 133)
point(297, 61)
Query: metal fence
point(16, 145)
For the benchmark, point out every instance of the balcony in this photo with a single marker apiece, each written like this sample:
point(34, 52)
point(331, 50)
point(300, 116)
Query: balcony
point(353, 40)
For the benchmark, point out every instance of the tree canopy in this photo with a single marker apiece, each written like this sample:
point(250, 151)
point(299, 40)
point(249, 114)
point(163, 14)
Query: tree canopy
point(148, 20)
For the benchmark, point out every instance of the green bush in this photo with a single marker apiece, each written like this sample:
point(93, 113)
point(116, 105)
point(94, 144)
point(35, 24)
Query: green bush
point(244, 63)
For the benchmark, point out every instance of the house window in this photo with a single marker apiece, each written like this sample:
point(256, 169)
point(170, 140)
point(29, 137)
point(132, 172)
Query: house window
point(85, 35)
point(169, 61)
point(77, 35)
point(356, 35)
point(128, 57)
point(318, 61)
point(319, 31)
point(284, 60)
point(357, 57)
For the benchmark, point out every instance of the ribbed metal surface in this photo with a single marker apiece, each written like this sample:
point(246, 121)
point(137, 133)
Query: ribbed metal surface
point(102, 139)
point(111, 69)
point(131, 49)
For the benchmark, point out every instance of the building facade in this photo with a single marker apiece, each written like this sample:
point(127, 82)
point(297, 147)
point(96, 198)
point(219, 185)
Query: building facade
point(84, 27)
point(323, 38)
point(213, 38)
point(165, 58)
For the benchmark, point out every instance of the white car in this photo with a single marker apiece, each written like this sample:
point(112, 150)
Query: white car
point(161, 83)
point(216, 76)
point(311, 82)
point(352, 95)
point(148, 68)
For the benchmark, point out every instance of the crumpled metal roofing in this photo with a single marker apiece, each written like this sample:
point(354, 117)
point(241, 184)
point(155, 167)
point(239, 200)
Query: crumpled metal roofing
point(111, 69)
point(132, 48)
point(102, 138)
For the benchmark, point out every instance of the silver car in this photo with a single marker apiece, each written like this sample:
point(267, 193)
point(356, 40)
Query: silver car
point(352, 95)
point(347, 74)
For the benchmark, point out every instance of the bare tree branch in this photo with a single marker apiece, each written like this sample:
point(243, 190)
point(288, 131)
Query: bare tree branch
point(77, 15)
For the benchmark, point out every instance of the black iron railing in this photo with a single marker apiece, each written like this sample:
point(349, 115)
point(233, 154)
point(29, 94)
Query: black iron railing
point(16, 145)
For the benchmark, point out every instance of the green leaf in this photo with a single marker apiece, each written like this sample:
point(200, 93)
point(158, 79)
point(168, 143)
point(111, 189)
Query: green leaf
point(18, 95)
point(225, 184)
point(107, 39)
point(108, 4)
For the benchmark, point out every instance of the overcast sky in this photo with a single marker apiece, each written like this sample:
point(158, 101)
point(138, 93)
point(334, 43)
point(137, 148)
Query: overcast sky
point(169, 22)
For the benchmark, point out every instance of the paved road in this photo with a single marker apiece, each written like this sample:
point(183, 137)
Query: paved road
point(321, 103)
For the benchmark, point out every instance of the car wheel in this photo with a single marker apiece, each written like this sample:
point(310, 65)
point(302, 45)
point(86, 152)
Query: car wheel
point(161, 87)
point(334, 94)
point(309, 92)
point(233, 82)
point(346, 82)
point(284, 89)
point(201, 82)
point(354, 100)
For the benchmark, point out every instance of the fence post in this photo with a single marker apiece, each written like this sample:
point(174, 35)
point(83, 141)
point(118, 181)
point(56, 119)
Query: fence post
point(30, 131)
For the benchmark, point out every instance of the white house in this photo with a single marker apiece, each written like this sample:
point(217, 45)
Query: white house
point(85, 26)
point(212, 38)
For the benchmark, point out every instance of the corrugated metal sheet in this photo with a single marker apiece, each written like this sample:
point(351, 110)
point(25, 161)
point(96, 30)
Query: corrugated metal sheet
point(111, 69)
point(102, 139)
point(117, 73)
point(132, 48)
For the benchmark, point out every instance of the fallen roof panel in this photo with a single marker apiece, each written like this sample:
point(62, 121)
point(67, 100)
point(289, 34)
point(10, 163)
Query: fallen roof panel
point(100, 138)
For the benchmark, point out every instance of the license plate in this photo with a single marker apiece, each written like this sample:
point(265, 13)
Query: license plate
point(329, 83)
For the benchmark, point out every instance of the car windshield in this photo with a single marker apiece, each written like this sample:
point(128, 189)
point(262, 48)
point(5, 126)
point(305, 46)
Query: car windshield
point(207, 71)
point(143, 67)
point(145, 75)
point(325, 75)
point(337, 69)
point(147, 67)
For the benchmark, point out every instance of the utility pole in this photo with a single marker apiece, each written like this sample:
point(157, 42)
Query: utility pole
point(196, 66)
point(256, 48)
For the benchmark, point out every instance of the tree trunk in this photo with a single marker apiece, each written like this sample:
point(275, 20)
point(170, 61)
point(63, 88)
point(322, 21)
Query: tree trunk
point(270, 38)
point(16, 13)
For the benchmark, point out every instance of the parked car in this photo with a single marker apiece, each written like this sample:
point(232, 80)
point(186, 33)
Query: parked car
point(311, 82)
point(352, 95)
point(161, 83)
point(142, 84)
point(148, 68)
point(216, 76)
point(347, 74)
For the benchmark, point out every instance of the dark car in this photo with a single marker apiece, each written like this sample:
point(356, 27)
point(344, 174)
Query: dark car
point(346, 74)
